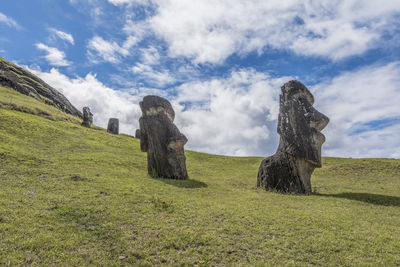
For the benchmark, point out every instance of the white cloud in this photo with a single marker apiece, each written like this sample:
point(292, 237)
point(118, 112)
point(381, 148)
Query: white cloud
point(9, 21)
point(109, 51)
point(137, 29)
point(154, 77)
point(93, 8)
point(54, 56)
point(210, 31)
point(103, 101)
point(150, 55)
point(364, 110)
point(231, 116)
point(123, 2)
point(237, 115)
point(63, 35)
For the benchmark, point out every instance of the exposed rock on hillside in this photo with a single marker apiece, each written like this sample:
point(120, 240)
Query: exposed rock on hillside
point(26, 83)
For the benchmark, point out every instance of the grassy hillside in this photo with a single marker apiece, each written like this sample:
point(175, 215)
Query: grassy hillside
point(76, 196)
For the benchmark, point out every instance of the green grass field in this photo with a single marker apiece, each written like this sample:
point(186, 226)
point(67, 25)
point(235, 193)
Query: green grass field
point(76, 196)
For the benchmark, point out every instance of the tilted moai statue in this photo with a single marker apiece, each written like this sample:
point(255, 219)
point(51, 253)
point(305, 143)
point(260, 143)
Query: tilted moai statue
point(299, 150)
point(161, 139)
point(113, 126)
point(137, 133)
point(87, 117)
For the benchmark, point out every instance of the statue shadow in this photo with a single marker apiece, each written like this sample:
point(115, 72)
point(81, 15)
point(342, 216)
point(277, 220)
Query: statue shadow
point(375, 199)
point(188, 183)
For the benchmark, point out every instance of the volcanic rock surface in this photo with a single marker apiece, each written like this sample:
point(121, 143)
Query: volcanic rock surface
point(23, 81)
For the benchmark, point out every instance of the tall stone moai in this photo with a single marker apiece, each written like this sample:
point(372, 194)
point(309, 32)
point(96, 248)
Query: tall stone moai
point(299, 151)
point(87, 117)
point(161, 139)
point(113, 126)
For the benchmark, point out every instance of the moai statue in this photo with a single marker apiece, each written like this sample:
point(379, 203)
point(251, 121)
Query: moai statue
point(161, 139)
point(137, 133)
point(87, 117)
point(113, 126)
point(299, 150)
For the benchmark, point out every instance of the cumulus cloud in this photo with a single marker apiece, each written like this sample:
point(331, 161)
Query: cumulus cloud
point(63, 35)
point(237, 114)
point(54, 56)
point(158, 78)
point(109, 51)
point(8, 21)
point(210, 31)
point(103, 101)
point(364, 110)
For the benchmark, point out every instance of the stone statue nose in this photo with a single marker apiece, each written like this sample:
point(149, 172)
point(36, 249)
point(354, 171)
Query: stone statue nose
point(318, 120)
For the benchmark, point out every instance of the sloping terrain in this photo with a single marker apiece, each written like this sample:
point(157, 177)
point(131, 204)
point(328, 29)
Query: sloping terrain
point(76, 196)
point(15, 77)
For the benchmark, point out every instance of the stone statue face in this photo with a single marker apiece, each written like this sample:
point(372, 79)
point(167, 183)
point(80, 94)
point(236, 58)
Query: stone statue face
point(154, 105)
point(87, 115)
point(300, 124)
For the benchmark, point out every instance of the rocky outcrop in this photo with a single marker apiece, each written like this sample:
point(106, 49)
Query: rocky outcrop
point(87, 117)
point(26, 83)
point(299, 150)
point(113, 126)
point(161, 139)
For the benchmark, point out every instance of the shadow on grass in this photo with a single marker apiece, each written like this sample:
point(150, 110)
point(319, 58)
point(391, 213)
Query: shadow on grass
point(368, 198)
point(189, 183)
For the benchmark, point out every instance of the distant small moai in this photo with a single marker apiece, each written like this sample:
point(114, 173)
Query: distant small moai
point(113, 126)
point(299, 152)
point(87, 117)
point(161, 139)
point(137, 133)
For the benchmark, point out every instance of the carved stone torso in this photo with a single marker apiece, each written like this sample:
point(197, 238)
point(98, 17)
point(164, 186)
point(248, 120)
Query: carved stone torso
point(299, 151)
point(87, 117)
point(113, 126)
point(161, 139)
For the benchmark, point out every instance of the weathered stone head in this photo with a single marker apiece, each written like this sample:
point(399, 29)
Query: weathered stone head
point(154, 105)
point(299, 151)
point(161, 139)
point(87, 117)
point(113, 126)
point(300, 124)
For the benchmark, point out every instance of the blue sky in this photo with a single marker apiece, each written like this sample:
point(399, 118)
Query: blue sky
point(221, 64)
